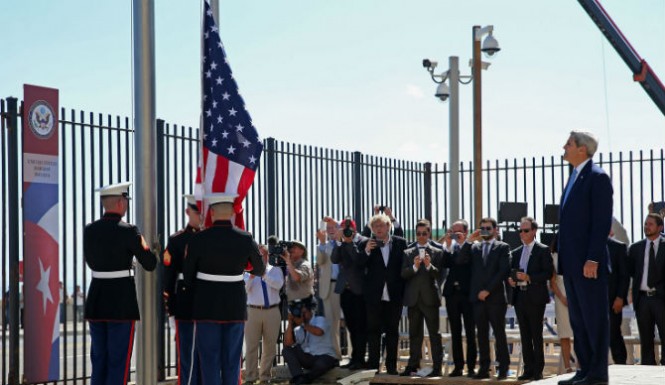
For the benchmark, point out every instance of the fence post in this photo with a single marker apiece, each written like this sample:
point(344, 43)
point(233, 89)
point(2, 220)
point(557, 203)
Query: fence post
point(271, 188)
point(161, 209)
point(357, 189)
point(14, 223)
point(427, 184)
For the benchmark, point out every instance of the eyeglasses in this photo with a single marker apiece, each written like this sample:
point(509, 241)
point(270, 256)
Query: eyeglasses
point(524, 230)
point(488, 228)
point(423, 234)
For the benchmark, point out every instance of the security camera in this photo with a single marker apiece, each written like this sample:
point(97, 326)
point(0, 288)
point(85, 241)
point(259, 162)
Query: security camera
point(442, 92)
point(490, 46)
point(429, 64)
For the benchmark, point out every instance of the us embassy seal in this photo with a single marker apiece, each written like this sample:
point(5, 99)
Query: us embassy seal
point(41, 119)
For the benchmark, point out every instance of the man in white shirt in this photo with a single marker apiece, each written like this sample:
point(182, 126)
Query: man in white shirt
point(263, 319)
point(646, 265)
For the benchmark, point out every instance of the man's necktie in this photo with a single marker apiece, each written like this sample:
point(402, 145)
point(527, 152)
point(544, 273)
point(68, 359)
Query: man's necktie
point(486, 251)
point(266, 303)
point(651, 276)
point(524, 259)
point(569, 186)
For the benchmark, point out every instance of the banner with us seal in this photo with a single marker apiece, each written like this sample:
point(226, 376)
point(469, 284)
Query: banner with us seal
point(41, 184)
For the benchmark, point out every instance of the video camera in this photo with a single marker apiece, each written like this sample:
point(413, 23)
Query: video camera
point(296, 306)
point(276, 249)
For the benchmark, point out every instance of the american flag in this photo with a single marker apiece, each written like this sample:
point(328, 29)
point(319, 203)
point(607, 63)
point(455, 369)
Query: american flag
point(231, 145)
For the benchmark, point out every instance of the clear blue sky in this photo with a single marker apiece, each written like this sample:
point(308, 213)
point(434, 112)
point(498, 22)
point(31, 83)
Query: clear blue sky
point(347, 74)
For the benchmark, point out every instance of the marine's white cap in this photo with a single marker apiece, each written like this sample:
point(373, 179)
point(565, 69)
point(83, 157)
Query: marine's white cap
point(118, 189)
point(214, 199)
point(191, 201)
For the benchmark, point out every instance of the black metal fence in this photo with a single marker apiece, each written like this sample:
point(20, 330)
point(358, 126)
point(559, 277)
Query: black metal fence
point(294, 187)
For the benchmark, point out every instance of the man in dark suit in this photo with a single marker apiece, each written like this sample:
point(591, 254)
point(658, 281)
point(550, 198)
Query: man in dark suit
point(456, 291)
point(215, 261)
point(585, 219)
point(531, 268)
point(646, 264)
point(490, 265)
point(349, 286)
point(421, 268)
point(619, 280)
point(381, 256)
point(178, 300)
point(109, 248)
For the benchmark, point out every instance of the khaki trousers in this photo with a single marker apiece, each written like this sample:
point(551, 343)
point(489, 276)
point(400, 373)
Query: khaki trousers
point(333, 312)
point(262, 325)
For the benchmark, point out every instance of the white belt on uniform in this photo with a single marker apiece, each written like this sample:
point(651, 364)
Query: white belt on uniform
point(180, 277)
point(219, 278)
point(111, 274)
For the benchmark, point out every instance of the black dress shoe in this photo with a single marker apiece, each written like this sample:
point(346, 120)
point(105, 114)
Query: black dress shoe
point(572, 380)
point(471, 373)
point(435, 373)
point(408, 371)
point(537, 377)
point(525, 377)
point(455, 373)
point(502, 375)
point(392, 372)
point(591, 381)
point(356, 366)
point(482, 376)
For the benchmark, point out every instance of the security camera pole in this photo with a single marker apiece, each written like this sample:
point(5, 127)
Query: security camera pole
point(477, 67)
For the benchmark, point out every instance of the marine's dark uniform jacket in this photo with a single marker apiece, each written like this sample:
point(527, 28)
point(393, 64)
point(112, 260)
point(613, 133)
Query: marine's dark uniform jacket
point(110, 244)
point(220, 250)
point(179, 300)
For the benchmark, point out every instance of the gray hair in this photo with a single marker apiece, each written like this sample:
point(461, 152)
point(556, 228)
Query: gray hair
point(585, 139)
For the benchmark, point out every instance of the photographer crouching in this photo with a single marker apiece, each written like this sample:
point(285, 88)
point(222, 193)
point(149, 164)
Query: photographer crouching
point(307, 343)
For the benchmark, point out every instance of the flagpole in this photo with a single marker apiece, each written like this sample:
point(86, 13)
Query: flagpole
point(145, 171)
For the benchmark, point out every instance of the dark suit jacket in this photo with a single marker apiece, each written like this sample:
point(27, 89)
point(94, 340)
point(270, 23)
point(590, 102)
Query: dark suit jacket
point(539, 269)
point(459, 276)
point(488, 276)
point(636, 268)
point(351, 274)
point(619, 277)
point(377, 273)
point(584, 222)
point(422, 286)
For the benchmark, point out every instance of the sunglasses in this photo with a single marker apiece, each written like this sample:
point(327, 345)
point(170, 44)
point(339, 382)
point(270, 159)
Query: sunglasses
point(488, 228)
point(524, 230)
point(423, 234)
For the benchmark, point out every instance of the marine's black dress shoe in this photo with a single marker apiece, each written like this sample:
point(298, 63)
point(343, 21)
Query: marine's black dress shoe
point(456, 373)
point(471, 373)
point(408, 371)
point(482, 376)
point(392, 372)
point(435, 373)
point(525, 377)
point(591, 381)
point(537, 377)
point(572, 380)
point(502, 375)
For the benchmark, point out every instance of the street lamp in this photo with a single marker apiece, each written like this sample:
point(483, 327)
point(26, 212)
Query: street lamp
point(451, 92)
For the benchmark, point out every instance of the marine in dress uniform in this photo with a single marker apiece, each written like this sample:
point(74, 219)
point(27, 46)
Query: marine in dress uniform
point(109, 248)
point(179, 300)
point(215, 261)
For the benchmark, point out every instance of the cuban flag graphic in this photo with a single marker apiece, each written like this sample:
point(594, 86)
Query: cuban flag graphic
point(41, 286)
